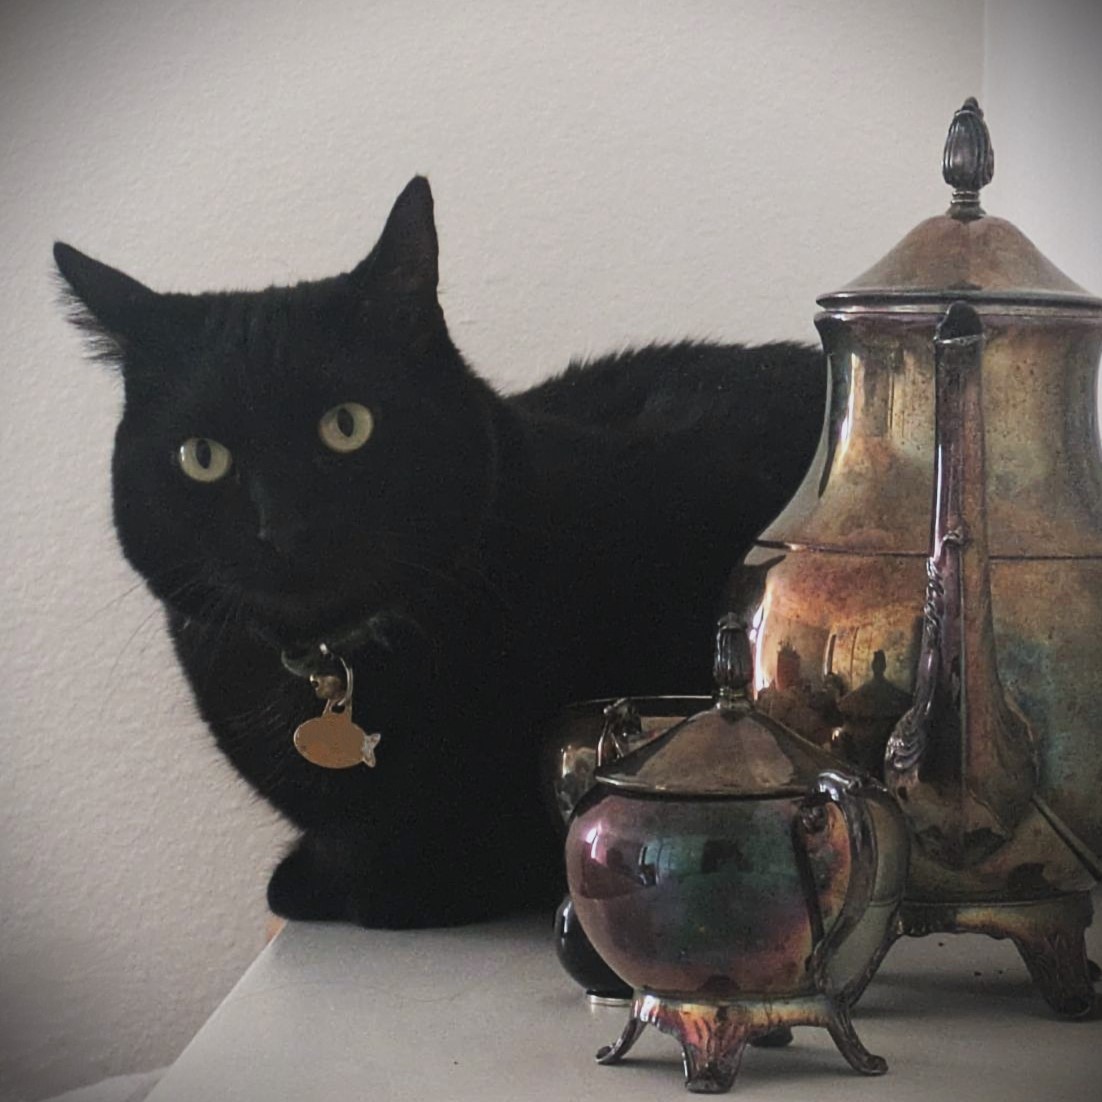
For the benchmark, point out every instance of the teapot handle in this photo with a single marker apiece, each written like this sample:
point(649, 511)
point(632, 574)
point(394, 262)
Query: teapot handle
point(848, 794)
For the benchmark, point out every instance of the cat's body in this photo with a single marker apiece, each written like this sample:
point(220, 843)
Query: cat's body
point(479, 561)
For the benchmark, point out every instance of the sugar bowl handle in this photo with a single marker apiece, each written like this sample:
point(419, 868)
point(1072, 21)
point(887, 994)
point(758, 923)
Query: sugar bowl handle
point(622, 725)
point(848, 794)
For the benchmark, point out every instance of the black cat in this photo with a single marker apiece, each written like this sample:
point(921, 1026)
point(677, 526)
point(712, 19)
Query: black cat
point(318, 464)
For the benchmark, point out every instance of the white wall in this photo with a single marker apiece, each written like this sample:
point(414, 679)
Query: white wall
point(604, 173)
point(1043, 98)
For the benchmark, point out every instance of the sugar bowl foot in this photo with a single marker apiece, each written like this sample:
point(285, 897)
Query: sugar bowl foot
point(713, 1036)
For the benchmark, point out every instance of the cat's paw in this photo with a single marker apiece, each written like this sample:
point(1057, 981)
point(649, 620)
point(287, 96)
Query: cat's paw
point(304, 888)
point(385, 910)
point(423, 895)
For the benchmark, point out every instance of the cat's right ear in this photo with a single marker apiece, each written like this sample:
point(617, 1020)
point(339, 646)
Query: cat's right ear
point(113, 308)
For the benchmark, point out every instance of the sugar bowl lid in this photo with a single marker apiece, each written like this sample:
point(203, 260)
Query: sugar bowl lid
point(730, 750)
point(965, 253)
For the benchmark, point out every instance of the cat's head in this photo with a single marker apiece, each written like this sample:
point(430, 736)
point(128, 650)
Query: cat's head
point(305, 456)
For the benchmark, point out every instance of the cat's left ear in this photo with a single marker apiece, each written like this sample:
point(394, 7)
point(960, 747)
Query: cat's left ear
point(405, 259)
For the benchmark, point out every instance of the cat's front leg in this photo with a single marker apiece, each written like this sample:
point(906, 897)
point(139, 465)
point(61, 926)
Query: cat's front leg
point(414, 883)
point(416, 901)
point(460, 870)
point(325, 879)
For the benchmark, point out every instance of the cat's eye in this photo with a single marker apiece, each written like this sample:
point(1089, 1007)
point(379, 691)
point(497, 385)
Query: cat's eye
point(203, 459)
point(346, 427)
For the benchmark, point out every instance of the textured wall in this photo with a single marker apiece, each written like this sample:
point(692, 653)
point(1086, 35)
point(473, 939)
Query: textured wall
point(604, 173)
point(1043, 93)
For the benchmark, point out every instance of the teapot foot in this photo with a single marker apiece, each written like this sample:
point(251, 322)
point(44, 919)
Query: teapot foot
point(1049, 934)
point(849, 1045)
point(713, 1036)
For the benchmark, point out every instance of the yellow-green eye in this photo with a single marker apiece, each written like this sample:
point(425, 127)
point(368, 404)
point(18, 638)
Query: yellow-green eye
point(346, 427)
point(203, 459)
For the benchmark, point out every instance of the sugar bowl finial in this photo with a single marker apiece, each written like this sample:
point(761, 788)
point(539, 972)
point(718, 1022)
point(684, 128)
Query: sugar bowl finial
point(968, 163)
point(733, 665)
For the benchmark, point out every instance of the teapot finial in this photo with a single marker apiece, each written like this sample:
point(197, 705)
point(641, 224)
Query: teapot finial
point(968, 163)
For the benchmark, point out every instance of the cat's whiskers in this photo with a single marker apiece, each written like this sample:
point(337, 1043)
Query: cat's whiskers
point(110, 680)
point(142, 624)
point(271, 710)
point(117, 599)
point(221, 611)
point(455, 577)
point(269, 727)
point(284, 753)
point(144, 583)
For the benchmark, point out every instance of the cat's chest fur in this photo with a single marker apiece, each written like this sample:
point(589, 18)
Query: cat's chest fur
point(597, 572)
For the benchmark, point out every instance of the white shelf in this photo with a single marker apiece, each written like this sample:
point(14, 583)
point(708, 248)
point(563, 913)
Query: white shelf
point(335, 1014)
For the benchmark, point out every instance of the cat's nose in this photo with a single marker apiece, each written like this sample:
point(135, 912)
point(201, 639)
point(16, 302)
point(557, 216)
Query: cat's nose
point(284, 537)
point(274, 526)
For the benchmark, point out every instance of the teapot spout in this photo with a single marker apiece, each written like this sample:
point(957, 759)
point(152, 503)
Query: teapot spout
point(962, 760)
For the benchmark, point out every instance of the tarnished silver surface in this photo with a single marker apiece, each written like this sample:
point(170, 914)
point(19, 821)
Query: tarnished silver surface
point(737, 881)
point(939, 572)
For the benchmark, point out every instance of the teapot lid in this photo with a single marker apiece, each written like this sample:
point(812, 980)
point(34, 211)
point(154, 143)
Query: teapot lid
point(729, 750)
point(964, 253)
